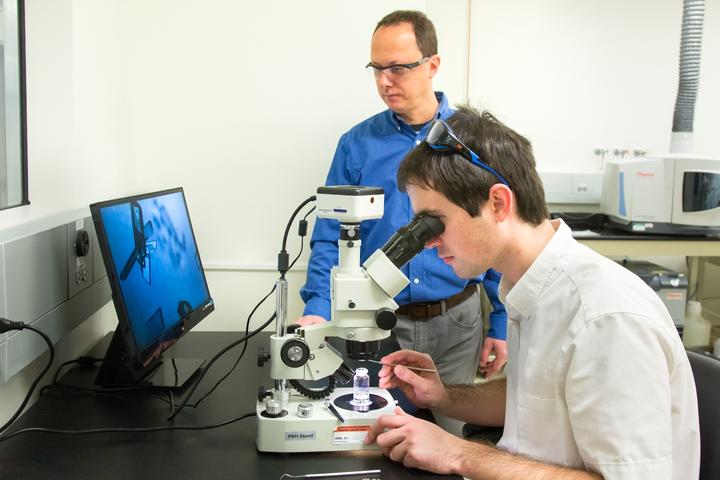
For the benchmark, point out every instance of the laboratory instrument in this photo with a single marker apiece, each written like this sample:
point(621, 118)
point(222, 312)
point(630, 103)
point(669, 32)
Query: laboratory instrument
point(677, 193)
point(362, 313)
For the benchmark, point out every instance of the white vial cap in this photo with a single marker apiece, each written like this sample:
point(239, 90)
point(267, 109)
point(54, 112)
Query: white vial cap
point(694, 306)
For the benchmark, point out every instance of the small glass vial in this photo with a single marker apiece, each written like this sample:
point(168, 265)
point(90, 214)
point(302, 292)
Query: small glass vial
point(361, 388)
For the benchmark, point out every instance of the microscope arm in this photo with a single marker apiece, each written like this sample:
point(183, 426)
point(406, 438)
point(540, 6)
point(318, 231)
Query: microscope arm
point(314, 357)
point(324, 359)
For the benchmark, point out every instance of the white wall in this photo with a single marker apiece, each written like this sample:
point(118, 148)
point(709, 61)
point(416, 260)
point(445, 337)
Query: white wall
point(573, 76)
point(78, 145)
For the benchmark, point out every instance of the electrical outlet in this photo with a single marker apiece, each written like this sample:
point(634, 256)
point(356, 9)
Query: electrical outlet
point(572, 188)
point(80, 256)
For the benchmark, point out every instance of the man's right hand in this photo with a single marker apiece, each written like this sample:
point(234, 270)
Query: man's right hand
point(423, 389)
point(310, 320)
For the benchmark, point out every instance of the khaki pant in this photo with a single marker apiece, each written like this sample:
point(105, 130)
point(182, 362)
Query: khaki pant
point(453, 340)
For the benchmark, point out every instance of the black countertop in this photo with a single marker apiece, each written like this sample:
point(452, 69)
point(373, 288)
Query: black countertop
point(224, 452)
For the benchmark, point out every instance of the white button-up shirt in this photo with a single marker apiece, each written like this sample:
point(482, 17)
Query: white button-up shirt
point(597, 376)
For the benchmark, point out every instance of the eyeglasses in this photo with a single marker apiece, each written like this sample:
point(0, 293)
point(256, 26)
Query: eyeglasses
point(441, 138)
point(394, 71)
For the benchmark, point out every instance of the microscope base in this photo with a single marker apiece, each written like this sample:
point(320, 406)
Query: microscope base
point(321, 431)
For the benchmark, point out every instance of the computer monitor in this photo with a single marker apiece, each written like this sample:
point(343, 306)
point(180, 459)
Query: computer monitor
point(158, 285)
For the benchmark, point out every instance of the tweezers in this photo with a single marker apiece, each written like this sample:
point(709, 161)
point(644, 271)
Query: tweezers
point(406, 366)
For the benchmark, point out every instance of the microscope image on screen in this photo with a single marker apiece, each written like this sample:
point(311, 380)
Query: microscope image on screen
point(144, 246)
point(160, 274)
point(158, 287)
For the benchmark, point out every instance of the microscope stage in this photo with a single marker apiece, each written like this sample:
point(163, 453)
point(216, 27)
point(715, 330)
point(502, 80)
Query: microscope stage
point(321, 431)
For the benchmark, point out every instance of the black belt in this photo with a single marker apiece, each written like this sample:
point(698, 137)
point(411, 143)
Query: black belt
point(424, 311)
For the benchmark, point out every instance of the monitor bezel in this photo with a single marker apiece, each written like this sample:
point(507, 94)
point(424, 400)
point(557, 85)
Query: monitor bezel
point(142, 358)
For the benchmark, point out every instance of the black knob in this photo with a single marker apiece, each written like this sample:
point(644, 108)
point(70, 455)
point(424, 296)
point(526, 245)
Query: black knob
point(262, 357)
point(291, 328)
point(294, 353)
point(262, 393)
point(82, 243)
point(385, 319)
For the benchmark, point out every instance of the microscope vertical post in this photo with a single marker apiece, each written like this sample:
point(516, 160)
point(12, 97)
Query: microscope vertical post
point(281, 293)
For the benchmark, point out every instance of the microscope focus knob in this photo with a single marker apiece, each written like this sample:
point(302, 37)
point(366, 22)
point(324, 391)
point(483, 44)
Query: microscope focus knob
point(385, 318)
point(305, 410)
point(262, 393)
point(273, 408)
point(262, 357)
point(294, 353)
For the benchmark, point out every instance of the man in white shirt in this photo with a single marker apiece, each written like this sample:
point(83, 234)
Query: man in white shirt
point(598, 383)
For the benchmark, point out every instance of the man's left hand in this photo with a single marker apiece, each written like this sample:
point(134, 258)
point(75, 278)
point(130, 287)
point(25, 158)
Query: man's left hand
point(490, 367)
point(414, 442)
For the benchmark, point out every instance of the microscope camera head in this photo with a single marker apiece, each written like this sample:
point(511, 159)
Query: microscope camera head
point(350, 204)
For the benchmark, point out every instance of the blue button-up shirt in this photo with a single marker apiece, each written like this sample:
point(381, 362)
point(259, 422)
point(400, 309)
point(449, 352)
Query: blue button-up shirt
point(370, 154)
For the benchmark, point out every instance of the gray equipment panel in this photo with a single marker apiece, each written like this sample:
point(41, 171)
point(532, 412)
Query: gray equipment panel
point(37, 272)
point(45, 283)
point(24, 347)
point(98, 269)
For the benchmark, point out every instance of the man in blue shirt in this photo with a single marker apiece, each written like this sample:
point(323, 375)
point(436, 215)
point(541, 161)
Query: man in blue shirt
point(439, 313)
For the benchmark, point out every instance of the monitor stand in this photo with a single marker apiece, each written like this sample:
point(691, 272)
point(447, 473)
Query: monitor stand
point(162, 374)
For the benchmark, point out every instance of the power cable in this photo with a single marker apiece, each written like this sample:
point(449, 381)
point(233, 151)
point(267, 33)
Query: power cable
point(6, 326)
point(95, 431)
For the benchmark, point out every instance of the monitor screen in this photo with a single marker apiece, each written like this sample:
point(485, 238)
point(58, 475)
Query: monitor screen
point(157, 279)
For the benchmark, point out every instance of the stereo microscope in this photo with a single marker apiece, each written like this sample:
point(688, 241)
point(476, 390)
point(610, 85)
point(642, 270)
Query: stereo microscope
point(293, 417)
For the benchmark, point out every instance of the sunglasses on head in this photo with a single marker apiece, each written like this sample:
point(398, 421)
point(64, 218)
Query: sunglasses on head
point(441, 138)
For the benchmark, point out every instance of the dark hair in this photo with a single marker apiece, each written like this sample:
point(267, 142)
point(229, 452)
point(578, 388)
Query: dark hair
point(467, 185)
point(424, 30)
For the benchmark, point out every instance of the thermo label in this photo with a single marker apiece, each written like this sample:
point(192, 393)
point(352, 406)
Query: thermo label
point(350, 434)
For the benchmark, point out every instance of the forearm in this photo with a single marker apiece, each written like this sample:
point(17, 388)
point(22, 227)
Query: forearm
point(316, 291)
point(481, 404)
point(479, 461)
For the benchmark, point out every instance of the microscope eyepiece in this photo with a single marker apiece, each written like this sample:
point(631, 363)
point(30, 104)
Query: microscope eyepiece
point(409, 240)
